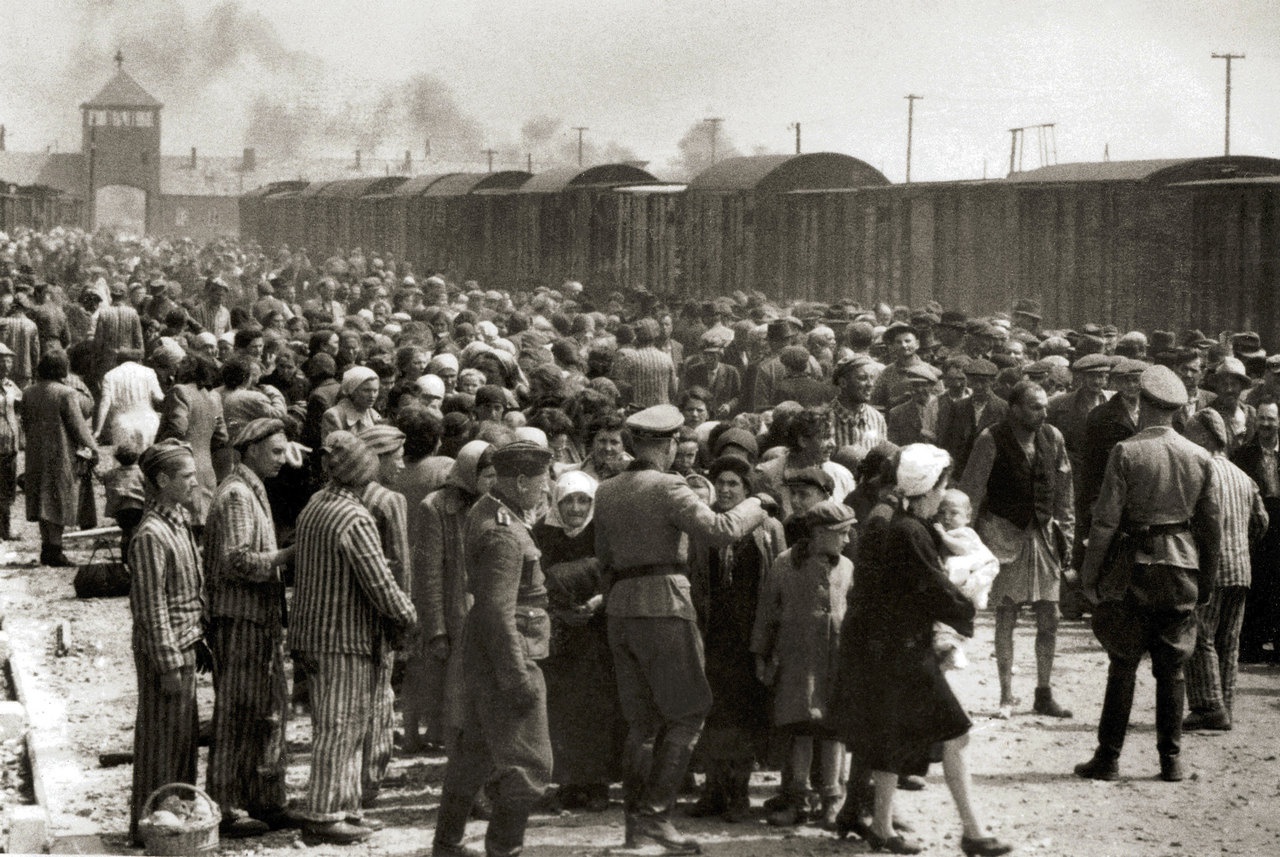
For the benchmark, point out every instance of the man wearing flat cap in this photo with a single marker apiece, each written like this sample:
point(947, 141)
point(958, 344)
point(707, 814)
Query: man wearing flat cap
point(390, 512)
point(1152, 557)
point(781, 333)
point(644, 519)
point(1108, 424)
point(960, 425)
point(854, 422)
point(504, 740)
point(906, 420)
point(246, 632)
point(346, 602)
point(708, 371)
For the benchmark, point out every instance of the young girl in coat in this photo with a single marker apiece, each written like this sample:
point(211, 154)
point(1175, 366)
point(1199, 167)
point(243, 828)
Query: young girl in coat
point(796, 641)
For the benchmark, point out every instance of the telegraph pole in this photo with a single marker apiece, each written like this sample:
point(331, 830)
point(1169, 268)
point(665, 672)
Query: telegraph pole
point(796, 125)
point(580, 131)
point(490, 153)
point(911, 109)
point(714, 121)
point(1226, 146)
point(528, 162)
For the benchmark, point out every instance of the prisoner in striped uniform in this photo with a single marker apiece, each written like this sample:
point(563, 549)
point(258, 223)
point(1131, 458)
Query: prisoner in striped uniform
point(166, 602)
point(345, 603)
point(1211, 669)
point(390, 513)
point(247, 762)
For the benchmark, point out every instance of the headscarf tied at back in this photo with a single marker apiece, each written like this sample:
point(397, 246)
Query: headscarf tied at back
point(571, 482)
point(354, 377)
point(919, 466)
point(466, 467)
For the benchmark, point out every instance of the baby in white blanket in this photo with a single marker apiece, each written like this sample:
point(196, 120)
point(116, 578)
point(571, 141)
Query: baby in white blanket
point(970, 566)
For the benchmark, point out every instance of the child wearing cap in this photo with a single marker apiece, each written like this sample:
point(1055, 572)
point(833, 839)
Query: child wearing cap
point(971, 566)
point(795, 641)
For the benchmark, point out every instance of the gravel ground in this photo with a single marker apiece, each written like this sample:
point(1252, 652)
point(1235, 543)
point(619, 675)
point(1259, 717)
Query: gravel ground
point(1230, 804)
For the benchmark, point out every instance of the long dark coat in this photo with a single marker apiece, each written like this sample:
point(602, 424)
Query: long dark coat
point(54, 423)
point(195, 415)
point(893, 704)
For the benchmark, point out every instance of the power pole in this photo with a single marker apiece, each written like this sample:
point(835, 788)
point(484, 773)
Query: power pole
point(580, 131)
point(714, 121)
point(1226, 146)
point(911, 110)
point(528, 162)
point(490, 153)
point(796, 125)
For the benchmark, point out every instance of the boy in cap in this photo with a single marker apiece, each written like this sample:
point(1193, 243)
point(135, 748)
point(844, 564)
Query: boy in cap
point(644, 518)
point(505, 733)
point(1158, 500)
point(906, 420)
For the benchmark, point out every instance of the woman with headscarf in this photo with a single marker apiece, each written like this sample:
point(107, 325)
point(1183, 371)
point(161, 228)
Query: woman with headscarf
point(895, 708)
point(440, 595)
point(354, 408)
point(587, 730)
point(727, 584)
point(445, 366)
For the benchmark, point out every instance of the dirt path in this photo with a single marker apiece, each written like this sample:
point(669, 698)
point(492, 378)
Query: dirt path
point(1230, 804)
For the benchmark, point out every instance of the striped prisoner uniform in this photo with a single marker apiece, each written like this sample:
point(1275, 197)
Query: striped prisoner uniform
point(246, 604)
point(165, 600)
point(343, 594)
point(390, 513)
point(650, 373)
point(1211, 669)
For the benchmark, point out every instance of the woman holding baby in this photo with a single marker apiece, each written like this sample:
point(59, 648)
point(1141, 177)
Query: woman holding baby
point(899, 713)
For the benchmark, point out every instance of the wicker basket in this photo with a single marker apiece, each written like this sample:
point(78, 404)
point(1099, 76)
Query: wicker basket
point(175, 841)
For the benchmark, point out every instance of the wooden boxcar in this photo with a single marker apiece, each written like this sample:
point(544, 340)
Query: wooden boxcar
point(647, 246)
point(372, 216)
point(259, 218)
point(449, 231)
point(38, 207)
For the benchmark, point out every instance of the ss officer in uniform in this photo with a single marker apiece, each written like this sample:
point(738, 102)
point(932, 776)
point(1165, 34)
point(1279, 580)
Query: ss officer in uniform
point(504, 739)
point(1152, 556)
point(644, 517)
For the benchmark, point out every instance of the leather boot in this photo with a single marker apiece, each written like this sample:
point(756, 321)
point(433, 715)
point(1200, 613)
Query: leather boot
point(714, 799)
point(738, 789)
point(1117, 703)
point(451, 826)
point(1170, 695)
point(652, 818)
point(637, 761)
point(505, 836)
point(6, 534)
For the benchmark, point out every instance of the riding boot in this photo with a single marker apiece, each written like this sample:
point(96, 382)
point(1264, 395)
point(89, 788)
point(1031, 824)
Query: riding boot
point(1117, 703)
point(505, 836)
point(451, 826)
point(1170, 694)
point(652, 817)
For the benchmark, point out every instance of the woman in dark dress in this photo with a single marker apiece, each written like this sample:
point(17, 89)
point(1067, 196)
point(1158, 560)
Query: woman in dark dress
point(726, 585)
point(587, 729)
point(899, 709)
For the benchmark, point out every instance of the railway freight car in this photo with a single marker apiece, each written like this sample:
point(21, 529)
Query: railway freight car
point(457, 226)
point(258, 219)
point(1104, 242)
point(37, 207)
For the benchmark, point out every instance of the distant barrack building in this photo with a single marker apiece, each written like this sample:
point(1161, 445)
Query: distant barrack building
point(120, 179)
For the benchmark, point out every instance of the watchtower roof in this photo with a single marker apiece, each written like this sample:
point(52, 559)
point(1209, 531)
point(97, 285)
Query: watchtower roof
point(122, 92)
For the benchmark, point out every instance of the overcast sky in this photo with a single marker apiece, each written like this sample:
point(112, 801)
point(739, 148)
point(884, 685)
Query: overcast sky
point(1131, 74)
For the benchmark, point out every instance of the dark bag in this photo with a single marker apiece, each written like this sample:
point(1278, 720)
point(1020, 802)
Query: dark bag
point(101, 580)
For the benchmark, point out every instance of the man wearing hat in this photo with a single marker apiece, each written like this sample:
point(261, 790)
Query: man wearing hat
point(158, 304)
point(246, 633)
point(504, 739)
point(854, 422)
point(797, 384)
point(1026, 315)
point(165, 601)
point(10, 440)
point(906, 421)
point(708, 371)
point(390, 512)
point(806, 487)
point(1268, 390)
point(644, 519)
point(1152, 557)
point(1229, 382)
point(212, 313)
point(960, 426)
point(950, 331)
point(1188, 363)
point(116, 326)
point(1108, 424)
point(21, 336)
point(780, 333)
point(894, 384)
point(346, 605)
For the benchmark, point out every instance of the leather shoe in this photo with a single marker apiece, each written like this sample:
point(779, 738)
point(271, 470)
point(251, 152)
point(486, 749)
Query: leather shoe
point(660, 831)
point(1100, 767)
point(459, 850)
point(242, 827)
point(985, 846)
point(893, 844)
point(1171, 769)
point(366, 822)
point(1215, 720)
point(335, 833)
point(911, 783)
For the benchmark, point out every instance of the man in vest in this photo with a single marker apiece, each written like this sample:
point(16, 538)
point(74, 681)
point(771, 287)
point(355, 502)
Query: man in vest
point(1019, 477)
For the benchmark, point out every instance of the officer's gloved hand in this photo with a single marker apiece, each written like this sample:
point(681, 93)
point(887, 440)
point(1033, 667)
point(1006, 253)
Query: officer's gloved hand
point(524, 696)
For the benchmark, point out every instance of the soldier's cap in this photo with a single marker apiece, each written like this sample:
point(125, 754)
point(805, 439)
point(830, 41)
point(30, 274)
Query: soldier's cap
point(658, 421)
point(382, 438)
point(830, 515)
point(1162, 388)
point(256, 430)
point(1129, 366)
point(814, 476)
point(521, 458)
point(921, 372)
point(953, 319)
point(849, 364)
point(896, 329)
point(736, 437)
point(981, 368)
point(1092, 363)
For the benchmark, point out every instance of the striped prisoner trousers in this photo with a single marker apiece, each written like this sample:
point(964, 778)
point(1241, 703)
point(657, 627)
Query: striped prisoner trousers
point(1211, 669)
point(166, 734)
point(378, 741)
point(341, 711)
point(248, 759)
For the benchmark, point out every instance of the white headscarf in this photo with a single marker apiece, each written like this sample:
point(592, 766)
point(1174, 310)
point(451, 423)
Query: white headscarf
point(354, 377)
point(919, 466)
point(571, 482)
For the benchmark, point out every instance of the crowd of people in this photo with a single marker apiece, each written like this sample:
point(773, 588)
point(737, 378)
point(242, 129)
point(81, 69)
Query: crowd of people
point(573, 537)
